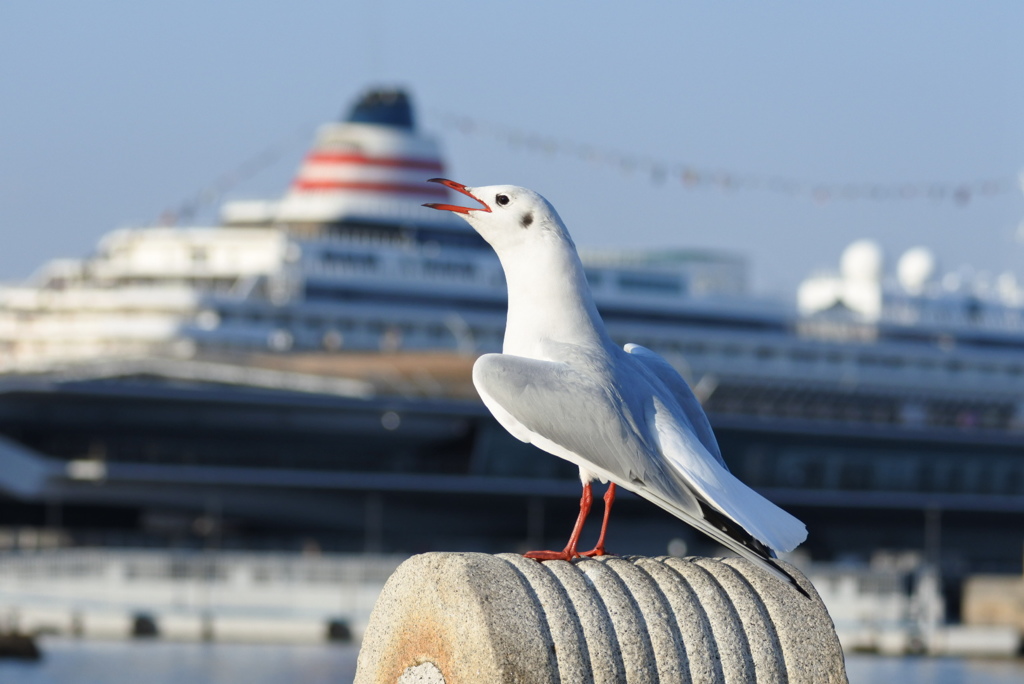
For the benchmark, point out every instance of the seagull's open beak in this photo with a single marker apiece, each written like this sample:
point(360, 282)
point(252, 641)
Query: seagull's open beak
point(458, 187)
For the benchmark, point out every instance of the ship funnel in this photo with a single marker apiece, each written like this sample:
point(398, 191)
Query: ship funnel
point(384, 107)
point(373, 166)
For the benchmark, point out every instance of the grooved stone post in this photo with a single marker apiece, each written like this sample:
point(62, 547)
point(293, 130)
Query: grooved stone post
point(462, 618)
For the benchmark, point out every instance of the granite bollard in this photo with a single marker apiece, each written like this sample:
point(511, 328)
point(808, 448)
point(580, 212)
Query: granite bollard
point(460, 618)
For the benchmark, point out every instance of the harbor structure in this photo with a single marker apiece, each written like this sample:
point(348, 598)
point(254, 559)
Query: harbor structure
point(301, 371)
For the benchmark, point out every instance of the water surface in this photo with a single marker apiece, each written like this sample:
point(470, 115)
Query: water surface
point(69, 661)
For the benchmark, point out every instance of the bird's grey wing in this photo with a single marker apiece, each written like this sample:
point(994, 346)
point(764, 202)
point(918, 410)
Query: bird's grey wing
point(686, 443)
point(579, 417)
point(659, 370)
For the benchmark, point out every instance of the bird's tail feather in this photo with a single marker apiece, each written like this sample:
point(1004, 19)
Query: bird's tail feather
point(731, 535)
point(759, 516)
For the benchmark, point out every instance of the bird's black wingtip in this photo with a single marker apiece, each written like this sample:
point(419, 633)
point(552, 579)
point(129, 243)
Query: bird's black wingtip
point(756, 547)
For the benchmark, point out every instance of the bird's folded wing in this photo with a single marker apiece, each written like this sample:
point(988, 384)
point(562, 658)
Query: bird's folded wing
point(578, 418)
point(661, 369)
point(686, 441)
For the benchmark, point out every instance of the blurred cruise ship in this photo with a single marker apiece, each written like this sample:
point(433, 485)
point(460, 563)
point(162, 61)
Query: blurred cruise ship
point(305, 365)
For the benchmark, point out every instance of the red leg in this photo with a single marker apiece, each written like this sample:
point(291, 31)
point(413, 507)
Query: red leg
point(609, 499)
point(570, 551)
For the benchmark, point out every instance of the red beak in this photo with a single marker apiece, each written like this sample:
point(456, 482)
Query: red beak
point(457, 187)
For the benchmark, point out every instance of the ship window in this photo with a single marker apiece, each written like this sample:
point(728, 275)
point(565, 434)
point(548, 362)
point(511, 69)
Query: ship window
point(650, 283)
point(447, 238)
point(349, 259)
point(449, 268)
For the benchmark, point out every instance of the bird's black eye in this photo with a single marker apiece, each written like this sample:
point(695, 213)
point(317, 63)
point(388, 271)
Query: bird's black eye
point(502, 200)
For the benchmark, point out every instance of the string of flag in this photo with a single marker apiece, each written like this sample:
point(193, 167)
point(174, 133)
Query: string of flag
point(663, 172)
point(656, 171)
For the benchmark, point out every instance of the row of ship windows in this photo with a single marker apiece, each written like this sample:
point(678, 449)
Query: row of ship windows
point(346, 325)
point(215, 283)
point(771, 402)
point(353, 261)
point(652, 283)
point(921, 473)
point(377, 234)
point(809, 356)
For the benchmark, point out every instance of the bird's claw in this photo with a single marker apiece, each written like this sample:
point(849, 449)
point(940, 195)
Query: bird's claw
point(566, 555)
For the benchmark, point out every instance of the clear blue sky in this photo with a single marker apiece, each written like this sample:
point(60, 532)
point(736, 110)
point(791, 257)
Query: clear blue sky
point(111, 112)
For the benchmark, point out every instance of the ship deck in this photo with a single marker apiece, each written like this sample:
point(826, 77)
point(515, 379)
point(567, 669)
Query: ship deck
point(392, 453)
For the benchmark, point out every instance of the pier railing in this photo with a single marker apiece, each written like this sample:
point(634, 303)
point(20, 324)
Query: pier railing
point(190, 595)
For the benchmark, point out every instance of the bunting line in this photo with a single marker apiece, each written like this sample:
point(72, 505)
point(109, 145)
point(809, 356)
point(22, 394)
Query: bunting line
point(657, 171)
point(689, 176)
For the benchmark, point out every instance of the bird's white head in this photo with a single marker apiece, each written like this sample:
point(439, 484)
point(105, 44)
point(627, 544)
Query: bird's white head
point(509, 216)
point(548, 295)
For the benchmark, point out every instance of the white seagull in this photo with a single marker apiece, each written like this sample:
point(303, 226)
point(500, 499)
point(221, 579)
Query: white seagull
point(624, 416)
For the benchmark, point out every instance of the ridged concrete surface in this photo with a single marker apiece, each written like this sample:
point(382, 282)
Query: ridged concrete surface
point(482, 618)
